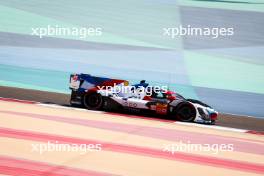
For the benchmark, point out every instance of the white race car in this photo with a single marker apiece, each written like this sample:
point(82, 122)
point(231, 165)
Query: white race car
point(98, 93)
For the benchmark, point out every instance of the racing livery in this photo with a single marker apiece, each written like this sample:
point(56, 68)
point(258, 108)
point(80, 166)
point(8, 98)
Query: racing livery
point(99, 93)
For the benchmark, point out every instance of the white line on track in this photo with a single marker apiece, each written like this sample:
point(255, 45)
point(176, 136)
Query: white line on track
point(212, 127)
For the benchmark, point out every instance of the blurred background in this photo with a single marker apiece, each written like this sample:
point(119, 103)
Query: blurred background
point(226, 72)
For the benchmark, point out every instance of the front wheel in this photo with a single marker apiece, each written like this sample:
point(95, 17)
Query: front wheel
point(185, 112)
point(93, 101)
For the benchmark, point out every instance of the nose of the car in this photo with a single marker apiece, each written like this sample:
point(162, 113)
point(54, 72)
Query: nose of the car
point(213, 116)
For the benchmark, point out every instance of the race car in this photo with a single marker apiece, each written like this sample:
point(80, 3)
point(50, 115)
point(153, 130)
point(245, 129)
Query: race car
point(100, 93)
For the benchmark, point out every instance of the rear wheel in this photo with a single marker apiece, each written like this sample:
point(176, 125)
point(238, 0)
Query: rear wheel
point(93, 101)
point(185, 112)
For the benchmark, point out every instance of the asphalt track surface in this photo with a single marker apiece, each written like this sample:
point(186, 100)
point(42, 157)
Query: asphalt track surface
point(226, 120)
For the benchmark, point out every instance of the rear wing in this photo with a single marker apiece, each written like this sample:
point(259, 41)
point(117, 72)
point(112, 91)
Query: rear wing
point(87, 81)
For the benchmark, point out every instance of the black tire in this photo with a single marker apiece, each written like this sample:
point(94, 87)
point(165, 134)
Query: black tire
point(185, 112)
point(93, 101)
